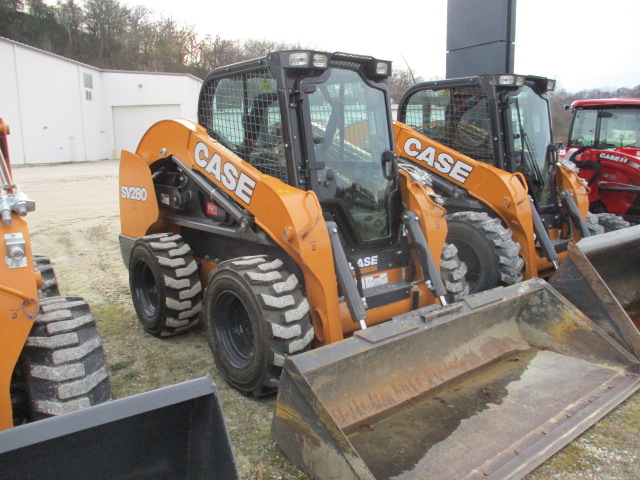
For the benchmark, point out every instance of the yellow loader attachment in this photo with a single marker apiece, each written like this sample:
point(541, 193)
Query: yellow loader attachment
point(601, 277)
point(486, 388)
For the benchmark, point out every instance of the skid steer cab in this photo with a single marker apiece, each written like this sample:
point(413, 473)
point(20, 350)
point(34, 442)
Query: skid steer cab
point(281, 218)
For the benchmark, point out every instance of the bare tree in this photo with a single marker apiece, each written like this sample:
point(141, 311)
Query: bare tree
point(70, 15)
point(215, 52)
point(400, 81)
point(39, 9)
point(172, 45)
point(253, 48)
point(106, 20)
point(14, 5)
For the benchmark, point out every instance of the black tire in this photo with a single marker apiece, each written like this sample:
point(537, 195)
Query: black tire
point(453, 272)
point(611, 222)
point(255, 315)
point(63, 361)
point(49, 281)
point(165, 286)
point(487, 248)
point(593, 224)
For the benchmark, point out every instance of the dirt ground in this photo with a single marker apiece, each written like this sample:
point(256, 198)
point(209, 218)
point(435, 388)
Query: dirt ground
point(76, 224)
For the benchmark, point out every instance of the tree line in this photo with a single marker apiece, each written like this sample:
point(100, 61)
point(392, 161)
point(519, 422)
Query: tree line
point(107, 34)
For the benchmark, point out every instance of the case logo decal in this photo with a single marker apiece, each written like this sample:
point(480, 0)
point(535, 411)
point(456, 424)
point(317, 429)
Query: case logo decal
point(225, 172)
point(441, 162)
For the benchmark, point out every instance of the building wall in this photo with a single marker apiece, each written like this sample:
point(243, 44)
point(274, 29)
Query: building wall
point(153, 90)
point(9, 99)
point(60, 110)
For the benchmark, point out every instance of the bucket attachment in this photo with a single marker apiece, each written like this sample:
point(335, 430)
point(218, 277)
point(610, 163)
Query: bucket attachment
point(177, 432)
point(601, 276)
point(486, 388)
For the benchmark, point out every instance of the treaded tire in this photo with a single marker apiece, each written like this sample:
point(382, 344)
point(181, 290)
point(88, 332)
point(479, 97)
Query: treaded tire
point(593, 224)
point(255, 315)
point(453, 272)
point(49, 281)
point(611, 222)
point(165, 286)
point(63, 360)
point(487, 248)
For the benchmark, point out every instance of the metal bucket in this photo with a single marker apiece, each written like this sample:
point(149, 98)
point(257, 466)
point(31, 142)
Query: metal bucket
point(601, 276)
point(177, 432)
point(486, 388)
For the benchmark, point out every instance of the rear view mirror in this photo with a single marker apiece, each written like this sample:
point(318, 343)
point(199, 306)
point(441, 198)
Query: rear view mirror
point(389, 165)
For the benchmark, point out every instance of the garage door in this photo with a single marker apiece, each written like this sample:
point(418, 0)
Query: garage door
point(130, 123)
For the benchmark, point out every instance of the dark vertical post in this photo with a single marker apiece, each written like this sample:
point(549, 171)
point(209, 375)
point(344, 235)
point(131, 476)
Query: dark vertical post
point(480, 37)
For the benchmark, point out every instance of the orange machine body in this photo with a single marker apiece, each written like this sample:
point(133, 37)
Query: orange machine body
point(291, 217)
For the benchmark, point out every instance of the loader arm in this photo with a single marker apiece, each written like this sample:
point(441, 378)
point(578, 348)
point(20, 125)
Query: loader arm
point(568, 179)
point(502, 192)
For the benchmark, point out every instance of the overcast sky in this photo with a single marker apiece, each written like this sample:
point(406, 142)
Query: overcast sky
point(581, 43)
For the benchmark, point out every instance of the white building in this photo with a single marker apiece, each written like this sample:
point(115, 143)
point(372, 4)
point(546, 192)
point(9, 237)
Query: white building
point(60, 110)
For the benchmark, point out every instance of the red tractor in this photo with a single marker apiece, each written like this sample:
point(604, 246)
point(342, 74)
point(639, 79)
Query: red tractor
point(604, 142)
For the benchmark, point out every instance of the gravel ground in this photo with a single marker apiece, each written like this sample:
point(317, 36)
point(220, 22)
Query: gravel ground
point(76, 224)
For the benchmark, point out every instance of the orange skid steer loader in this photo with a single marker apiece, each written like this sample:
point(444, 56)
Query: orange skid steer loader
point(319, 268)
point(512, 204)
point(515, 210)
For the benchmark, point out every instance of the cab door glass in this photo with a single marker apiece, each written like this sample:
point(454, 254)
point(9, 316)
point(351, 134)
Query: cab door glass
point(350, 129)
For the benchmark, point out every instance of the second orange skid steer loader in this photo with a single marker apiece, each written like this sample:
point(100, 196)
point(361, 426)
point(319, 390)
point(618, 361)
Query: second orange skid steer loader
point(319, 269)
point(514, 209)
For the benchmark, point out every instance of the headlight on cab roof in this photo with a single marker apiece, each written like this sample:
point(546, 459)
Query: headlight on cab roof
point(299, 59)
point(382, 68)
point(320, 60)
point(308, 59)
point(511, 80)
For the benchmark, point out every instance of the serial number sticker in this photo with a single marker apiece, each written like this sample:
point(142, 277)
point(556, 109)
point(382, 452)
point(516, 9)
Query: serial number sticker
point(375, 280)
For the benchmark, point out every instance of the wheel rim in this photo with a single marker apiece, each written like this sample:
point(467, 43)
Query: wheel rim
point(468, 255)
point(234, 330)
point(146, 289)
